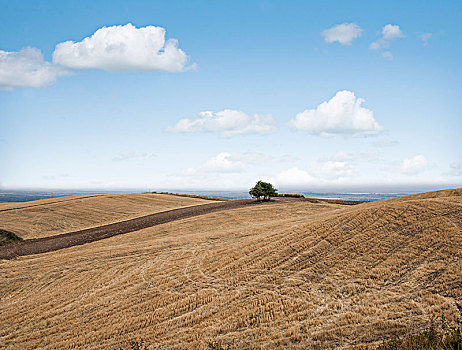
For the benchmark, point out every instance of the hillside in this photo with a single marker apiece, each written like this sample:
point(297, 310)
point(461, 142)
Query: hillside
point(295, 275)
point(48, 217)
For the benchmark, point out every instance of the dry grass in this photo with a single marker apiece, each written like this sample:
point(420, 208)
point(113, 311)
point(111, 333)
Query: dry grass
point(294, 275)
point(53, 216)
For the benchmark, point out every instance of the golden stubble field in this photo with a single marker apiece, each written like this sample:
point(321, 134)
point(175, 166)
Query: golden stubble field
point(48, 217)
point(292, 275)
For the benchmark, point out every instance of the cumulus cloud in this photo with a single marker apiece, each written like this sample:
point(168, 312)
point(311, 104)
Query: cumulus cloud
point(334, 169)
point(343, 33)
point(295, 177)
point(330, 169)
point(115, 48)
point(328, 173)
point(223, 163)
point(414, 165)
point(341, 115)
point(226, 170)
point(123, 48)
point(389, 32)
point(227, 123)
point(27, 68)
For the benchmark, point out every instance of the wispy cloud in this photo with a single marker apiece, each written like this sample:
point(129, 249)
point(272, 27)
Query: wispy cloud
point(128, 155)
point(425, 37)
point(388, 55)
point(227, 123)
point(390, 32)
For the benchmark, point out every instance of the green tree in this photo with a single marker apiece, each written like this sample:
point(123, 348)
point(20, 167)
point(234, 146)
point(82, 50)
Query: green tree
point(257, 191)
point(263, 189)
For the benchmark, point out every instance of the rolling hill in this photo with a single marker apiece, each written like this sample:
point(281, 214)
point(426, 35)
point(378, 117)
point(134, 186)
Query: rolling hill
point(293, 275)
point(48, 217)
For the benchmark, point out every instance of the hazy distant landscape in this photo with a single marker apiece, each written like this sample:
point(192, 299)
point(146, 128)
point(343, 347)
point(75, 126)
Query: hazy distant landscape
point(24, 196)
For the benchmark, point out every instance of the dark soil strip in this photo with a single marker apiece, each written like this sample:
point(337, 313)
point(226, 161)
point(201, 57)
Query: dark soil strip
point(66, 240)
point(14, 249)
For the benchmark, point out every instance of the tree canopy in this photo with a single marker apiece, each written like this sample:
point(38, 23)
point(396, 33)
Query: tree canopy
point(263, 189)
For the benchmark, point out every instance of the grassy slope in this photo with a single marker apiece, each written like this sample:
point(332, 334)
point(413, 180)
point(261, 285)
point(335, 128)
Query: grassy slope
point(296, 275)
point(49, 217)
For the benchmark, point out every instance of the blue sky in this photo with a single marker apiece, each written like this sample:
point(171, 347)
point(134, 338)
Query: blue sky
point(330, 95)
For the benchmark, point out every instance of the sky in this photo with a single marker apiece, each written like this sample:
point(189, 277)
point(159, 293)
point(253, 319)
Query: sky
point(215, 95)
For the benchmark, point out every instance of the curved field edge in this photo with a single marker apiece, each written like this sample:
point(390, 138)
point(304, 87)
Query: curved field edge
point(49, 217)
point(52, 243)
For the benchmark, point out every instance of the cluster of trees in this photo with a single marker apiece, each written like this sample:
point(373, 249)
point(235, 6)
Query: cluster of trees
point(263, 190)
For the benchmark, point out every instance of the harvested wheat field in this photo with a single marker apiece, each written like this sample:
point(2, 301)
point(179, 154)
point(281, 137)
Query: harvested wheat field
point(292, 275)
point(48, 217)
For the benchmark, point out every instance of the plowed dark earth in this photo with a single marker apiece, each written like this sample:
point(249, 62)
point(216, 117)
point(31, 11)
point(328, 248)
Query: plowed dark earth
point(49, 244)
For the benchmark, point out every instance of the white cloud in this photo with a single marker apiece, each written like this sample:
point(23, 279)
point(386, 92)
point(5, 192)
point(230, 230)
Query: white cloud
point(415, 165)
point(380, 44)
point(388, 55)
point(389, 32)
point(341, 115)
point(223, 163)
point(123, 48)
point(26, 68)
point(226, 163)
point(295, 177)
point(221, 171)
point(335, 169)
point(342, 33)
point(330, 169)
point(326, 173)
point(425, 37)
point(228, 123)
